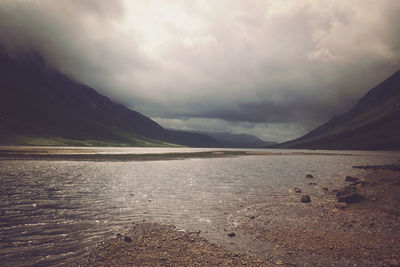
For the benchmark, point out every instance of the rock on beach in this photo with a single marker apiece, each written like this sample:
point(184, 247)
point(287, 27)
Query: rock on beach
point(349, 195)
point(305, 199)
point(351, 179)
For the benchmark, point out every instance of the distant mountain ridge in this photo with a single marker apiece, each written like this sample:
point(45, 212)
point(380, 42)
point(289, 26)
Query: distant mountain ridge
point(239, 140)
point(40, 105)
point(373, 123)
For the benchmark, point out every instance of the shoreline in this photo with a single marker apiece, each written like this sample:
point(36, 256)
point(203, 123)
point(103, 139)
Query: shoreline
point(70, 154)
point(324, 232)
point(328, 231)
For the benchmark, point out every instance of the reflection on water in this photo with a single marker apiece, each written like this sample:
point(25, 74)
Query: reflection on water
point(53, 210)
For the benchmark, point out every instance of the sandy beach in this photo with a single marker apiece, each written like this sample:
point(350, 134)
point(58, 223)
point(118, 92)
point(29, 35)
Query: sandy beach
point(336, 229)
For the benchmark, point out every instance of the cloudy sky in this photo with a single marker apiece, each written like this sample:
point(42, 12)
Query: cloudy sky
point(272, 68)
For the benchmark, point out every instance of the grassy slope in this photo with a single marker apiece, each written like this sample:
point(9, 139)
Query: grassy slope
point(125, 139)
point(59, 141)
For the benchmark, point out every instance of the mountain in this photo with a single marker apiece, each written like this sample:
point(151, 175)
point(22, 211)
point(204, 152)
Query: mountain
point(239, 140)
point(41, 106)
point(373, 123)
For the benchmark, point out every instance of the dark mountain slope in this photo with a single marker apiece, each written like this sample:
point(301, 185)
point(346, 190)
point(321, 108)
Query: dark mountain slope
point(373, 123)
point(36, 100)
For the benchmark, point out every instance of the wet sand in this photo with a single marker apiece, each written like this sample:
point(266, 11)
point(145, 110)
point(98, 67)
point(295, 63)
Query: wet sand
point(324, 232)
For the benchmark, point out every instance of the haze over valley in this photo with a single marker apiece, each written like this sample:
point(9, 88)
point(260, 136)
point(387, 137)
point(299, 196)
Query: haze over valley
point(269, 69)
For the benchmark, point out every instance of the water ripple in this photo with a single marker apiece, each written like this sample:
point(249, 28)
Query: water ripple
point(52, 211)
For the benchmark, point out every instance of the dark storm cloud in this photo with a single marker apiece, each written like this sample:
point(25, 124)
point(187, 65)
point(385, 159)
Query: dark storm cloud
point(271, 68)
point(78, 37)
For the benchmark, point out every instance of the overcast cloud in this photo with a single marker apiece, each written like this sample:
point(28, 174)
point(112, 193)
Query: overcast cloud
point(274, 68)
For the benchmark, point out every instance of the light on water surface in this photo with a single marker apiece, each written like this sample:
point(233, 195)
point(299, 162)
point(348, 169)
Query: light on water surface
point(54, 210)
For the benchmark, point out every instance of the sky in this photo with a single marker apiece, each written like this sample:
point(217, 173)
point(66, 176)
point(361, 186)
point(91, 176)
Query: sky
point(273, 68)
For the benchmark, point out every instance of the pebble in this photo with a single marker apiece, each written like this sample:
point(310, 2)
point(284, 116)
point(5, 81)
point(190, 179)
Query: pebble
point(305, 199)
point(127, 239)
point(351, 179)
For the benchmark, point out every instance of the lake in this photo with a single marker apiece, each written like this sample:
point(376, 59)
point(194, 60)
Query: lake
point(52, 211)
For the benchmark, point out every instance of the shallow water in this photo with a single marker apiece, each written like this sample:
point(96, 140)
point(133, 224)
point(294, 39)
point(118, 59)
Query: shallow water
point(54, 210)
